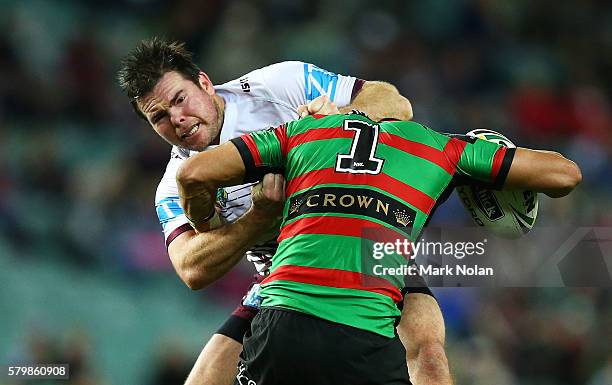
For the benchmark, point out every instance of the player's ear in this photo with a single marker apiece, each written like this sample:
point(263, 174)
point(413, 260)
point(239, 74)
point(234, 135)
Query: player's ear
point(205, 83)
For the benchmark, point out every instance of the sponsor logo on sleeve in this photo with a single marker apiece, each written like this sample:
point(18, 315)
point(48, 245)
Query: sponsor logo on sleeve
point(244, 84)
point(168, 209)
point(319, 82)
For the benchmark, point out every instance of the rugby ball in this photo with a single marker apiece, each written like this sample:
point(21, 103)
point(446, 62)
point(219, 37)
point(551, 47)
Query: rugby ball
point(507, 213)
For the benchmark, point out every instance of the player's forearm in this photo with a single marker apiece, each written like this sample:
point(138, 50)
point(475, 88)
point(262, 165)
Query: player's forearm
point(202, 258)
point(543, 171)
point(380, 100)
point(429, 366)
point(422, 333)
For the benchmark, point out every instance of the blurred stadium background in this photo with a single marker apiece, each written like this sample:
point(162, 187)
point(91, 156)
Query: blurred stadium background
point(84, 274)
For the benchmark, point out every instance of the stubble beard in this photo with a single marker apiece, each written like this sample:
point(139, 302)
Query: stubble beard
point(219, 105)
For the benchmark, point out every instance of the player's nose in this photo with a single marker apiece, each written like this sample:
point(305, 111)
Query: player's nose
point(177, 118)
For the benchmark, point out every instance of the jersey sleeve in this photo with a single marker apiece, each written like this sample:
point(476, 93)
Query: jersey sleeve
point(298, 83)
point(167, 205)
point(479, 160)
point(470, 159)
point(262, 152)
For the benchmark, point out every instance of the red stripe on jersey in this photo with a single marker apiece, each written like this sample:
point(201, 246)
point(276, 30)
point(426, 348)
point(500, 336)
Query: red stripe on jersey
point(250, 142)
point(335, 278)
point(318, 134)
point(416, 198)
point(281, 135)
point(417, 149)
point(420, 150)
point(498, 159)
point(453, 150)
point(353, 227)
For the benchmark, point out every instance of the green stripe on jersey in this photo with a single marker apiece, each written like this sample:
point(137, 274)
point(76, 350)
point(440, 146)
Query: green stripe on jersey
point(477, 160)
point(310, 122)
point(417, 133)
point(269, 148)
point(412, 170)
point(315, 155)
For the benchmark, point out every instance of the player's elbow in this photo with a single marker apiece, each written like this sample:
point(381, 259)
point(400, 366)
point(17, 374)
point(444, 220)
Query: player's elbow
point(193, 279)
point(567, 177)
point(191, 276)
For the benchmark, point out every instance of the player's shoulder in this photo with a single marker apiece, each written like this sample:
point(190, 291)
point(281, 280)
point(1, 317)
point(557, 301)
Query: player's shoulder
point(258, 81)
point(415, 132)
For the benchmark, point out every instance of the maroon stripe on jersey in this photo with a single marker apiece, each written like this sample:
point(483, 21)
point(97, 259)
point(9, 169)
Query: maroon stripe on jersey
point(357, 86)
point(409, 194)
point(497, 162)
point(417, 149)
point(353, 227)
point(335, 278)
point(250, 142)
point(178, 231)
point(454, 149)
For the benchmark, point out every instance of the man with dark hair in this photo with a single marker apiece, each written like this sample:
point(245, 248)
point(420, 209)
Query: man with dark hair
point(181, 104)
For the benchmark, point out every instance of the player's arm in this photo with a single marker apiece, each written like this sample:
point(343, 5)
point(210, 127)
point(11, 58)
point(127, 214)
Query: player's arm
point(380, 100)
point(509, 168)
point(299, 83)
point(422, 333)
point(201, 258)
point(543, 171)
point(248, 158)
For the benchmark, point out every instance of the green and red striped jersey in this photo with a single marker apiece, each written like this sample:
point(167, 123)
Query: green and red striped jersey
point(352, 182)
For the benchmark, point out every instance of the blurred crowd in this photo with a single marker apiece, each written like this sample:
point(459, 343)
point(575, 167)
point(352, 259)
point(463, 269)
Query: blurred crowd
point(81, 168)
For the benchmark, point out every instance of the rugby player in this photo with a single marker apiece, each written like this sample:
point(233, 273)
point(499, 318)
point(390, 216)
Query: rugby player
point(181, 104)
point(325, 317)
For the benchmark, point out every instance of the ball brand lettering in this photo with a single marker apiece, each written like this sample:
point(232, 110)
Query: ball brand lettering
point(468, 204)
point(486, 202)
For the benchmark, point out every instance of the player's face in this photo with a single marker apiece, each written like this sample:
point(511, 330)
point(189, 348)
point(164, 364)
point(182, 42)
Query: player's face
point(185, 114)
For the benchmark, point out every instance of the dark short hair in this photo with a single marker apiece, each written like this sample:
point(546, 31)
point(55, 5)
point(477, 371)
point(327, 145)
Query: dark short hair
point(142, 68)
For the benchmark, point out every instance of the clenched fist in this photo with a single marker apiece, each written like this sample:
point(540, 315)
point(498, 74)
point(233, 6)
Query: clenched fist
point(269, 195)
point(320, 105)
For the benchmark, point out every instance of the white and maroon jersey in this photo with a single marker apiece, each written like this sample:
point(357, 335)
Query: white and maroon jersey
point(267, 97)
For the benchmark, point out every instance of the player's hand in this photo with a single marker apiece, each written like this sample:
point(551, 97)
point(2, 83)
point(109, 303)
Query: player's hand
point(321, 105)
point(269, 195)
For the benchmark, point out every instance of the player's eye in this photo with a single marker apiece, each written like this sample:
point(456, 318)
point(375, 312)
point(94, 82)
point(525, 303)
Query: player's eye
point(180, 99)
point(157, 117)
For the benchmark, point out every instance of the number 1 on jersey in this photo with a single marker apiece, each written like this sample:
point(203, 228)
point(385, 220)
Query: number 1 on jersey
point(361, 159)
